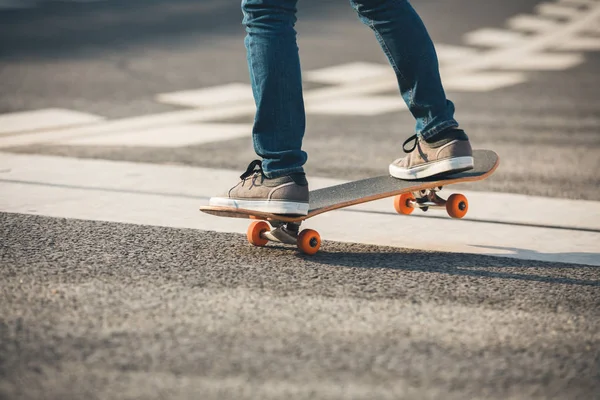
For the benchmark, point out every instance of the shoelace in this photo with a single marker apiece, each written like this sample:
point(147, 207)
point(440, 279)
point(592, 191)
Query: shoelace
point(413, 138)
point(252, 169)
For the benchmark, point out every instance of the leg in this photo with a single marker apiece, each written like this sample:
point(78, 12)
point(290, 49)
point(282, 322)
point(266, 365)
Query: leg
point(411, 52)
point(441, 148)
point(276, 184)
point(274, 67)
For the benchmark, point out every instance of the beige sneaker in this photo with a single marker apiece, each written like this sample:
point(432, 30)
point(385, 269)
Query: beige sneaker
point(284, 195)
point(448, 154)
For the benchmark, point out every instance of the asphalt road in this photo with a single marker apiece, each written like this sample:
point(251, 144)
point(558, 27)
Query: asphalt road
point(104, 310)
point(101, 310)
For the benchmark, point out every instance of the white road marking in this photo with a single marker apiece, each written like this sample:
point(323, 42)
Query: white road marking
point(482, 81)
point(49, 118)
point(170, 196)
point(348, 73)
point(557, 10)
point(494, 37)
point(532, 23)
point(167, 136)
point(129, 124)
point(543, 62)
point(357, 87)
point(582, 44)
point(448, 54)
point(367, 105)
point(578, 3)
point(209, 97)
point(563, 33)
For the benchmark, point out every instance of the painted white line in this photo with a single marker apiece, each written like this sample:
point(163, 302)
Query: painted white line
point(356, 105)
point(582, 43)
point(313, 100)
point(167, 136)
point(452, 54)
point(543, 62)
point(361, 84)
point(49, 118)
point(209, 97)
point(348, 73)
point(129, 124)
point(532, 23)
point(170, 196)
point(557, 10)
point(551, 35)
point(563, 33)
point(593, 30)
point(577, 3)
point(482, 81)
point(494, 37)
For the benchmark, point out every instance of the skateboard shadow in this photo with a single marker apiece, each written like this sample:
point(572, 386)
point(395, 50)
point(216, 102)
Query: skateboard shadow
point(459, 264)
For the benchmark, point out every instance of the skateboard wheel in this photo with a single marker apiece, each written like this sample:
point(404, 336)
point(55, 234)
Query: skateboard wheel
point(457, 206)
point(255, 231)
point(401, 203)
point(309, 241)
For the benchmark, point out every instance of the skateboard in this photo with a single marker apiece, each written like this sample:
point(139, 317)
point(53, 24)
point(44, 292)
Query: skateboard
point(408, 196)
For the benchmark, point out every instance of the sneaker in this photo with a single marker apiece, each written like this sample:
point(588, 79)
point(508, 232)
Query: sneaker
point(446, 153)
point(283, 195)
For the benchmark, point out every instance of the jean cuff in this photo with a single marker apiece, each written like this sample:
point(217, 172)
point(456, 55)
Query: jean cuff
point(437, 129)
point(282, 172)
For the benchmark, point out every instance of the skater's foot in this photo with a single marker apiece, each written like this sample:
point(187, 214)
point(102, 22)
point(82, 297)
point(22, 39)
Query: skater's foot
point(283, 195)
point(446, 153)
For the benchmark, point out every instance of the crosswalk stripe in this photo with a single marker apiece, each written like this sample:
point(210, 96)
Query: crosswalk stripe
point(353, 88)
point(531, 23)
point(482, 81)
point(357, 105)
point(179, 135)
point(349, 73)
point(494, 37)
point(557, 10)
point(543, 62)
point(209, 97)
point(49, 118)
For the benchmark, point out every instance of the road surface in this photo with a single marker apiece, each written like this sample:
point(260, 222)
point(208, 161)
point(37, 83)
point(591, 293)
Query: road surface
point(118, 119)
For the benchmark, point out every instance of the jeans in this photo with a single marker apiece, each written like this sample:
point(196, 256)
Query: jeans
point(275, 75)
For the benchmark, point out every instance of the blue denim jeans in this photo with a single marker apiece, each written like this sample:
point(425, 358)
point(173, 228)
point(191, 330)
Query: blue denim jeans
point(275, 74)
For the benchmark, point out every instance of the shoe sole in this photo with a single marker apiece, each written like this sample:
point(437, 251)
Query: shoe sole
point(271, 207)
point(442, 167)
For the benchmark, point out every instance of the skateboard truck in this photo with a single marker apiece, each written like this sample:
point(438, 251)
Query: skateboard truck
point(456, 206)
point(283, 233)
point(261, 232)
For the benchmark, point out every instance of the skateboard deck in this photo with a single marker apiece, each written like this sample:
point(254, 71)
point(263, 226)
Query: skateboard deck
point(410, 195)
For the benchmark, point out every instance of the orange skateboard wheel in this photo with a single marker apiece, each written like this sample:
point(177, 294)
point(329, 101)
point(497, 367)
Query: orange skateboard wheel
point(309, 241)
point(457, 206)
point(401, 203)
point(255, 231)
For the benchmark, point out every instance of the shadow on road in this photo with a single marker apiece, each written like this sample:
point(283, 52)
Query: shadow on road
point(55, 29)
point(450, 264)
